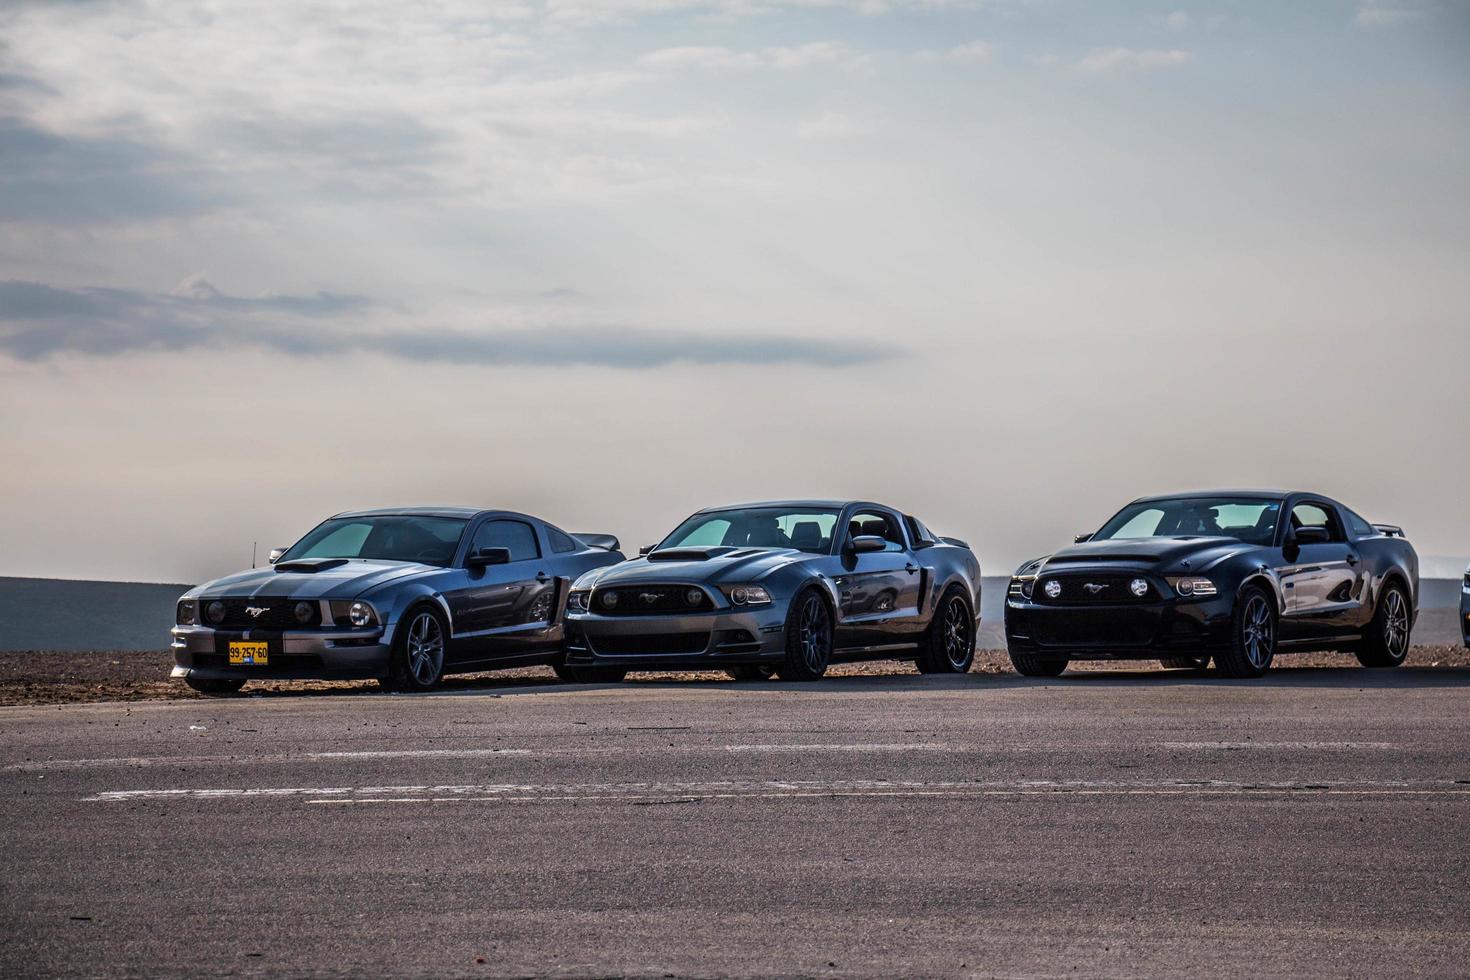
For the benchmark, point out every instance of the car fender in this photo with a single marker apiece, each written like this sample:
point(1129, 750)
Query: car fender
point(399, 596)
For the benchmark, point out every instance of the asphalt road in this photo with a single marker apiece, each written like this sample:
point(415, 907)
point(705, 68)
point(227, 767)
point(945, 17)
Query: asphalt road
point(1315, 822)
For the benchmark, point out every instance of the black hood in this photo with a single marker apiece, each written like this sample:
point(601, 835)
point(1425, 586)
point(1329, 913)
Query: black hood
point(1158, 553)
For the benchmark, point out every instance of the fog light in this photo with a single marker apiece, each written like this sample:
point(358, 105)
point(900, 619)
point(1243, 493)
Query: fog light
point(216, 612)
point(1052, 589)
point(610, 600)
point(302, 612)
point(694, 597)
point(1138, 587)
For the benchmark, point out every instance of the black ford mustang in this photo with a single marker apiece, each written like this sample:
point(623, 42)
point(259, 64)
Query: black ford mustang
point(1234, 575)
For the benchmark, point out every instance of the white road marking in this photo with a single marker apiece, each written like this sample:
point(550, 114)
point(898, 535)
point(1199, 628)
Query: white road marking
point(1280, 745)
point(797, 787)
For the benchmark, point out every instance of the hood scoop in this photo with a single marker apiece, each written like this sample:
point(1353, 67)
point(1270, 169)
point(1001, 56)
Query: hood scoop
point(309, 565)
point(688, 554)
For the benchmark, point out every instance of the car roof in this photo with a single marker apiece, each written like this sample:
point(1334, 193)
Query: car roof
point(464, 513)
point(813, 504)
point(1258, 494)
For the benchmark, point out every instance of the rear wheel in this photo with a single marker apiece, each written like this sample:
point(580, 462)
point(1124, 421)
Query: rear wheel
point(1032, 665)
point(1252, 636)
point(808, 638)
point(751, 672)
point(948, 647)
point(1185, 663)
point(1387, 642)
point(215, 688)
point(417, 663)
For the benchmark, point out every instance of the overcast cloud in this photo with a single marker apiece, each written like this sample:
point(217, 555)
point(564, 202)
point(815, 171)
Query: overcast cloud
point(1006, 263)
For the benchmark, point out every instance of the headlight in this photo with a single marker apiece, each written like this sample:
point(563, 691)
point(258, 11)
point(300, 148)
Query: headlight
point(187, 613)
point(354, 612)
point(747, 595)
point(577, 600)
point(215, 611)
point(304, 612)
point(1022, 587)
point(1138, 587)
point(1193, 586)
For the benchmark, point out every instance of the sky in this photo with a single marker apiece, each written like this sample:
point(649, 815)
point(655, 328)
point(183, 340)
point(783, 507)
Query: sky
point(1004, 264)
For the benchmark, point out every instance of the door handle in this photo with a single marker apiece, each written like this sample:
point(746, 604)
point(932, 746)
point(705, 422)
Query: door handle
point(1352, 559)
point(911, 568)
point(542, 577)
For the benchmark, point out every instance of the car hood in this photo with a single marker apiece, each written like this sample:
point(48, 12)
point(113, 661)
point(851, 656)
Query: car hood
point(713, 565)
point(1162, 554)
point(346, 581)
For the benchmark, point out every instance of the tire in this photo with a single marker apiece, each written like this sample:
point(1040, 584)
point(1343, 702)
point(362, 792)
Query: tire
point(1185, 663)
point(948, 645)
point(216, 688)
point(1253, 630)
point(1386, 643)
point(596, 675)
point(808, 637)
point(1034, 665)
point(417, 663)
point(563, 673)
point(751, 672)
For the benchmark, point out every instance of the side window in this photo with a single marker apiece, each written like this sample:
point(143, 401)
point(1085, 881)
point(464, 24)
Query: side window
point(1312, 515)
point(1360, 527)
point(516, 536)
point(918, 533)
point(878, 525)
point(561, 541)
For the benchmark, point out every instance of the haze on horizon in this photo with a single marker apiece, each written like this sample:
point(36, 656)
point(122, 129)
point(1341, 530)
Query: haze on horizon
point(1003, 263)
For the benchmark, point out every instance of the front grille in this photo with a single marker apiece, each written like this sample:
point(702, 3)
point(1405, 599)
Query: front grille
point(1107, 589)
point(279, 614)
point(650, 643)
point(648, 600)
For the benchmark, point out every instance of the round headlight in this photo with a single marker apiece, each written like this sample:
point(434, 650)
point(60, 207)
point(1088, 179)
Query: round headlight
point(302, 612)
point(694, 597)
point(1053, 589)
point(216, 611)
point(610, 600)
point(360, 614)
point(1186, 586)
point(737, 596)
point(1138, 587)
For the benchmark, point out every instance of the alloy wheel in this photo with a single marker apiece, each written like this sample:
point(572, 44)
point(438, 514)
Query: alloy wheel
point(956, 633)
point(816, 634)
point(425, 648)
point(1258, 632)
point(1396, 624)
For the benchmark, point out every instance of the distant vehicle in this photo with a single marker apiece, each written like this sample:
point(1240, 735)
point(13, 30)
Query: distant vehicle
point(1465, 608)
point(780, 588)
point(1234, 575)
point(405, 596)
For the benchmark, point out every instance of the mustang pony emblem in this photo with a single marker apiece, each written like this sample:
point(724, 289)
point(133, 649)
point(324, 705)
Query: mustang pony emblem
point(1094, 588)
point(649, 598)
point(256, 611)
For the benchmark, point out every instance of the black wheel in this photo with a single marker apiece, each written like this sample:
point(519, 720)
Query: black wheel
point(417, 663)
point(808, 638)
point(1034, 665)
point(751, 672)
point(1252, 635)
point(215, 688)
point(1387, 641)
point(948, 647)
point(563, 672)
point(1185, 663)
point(596, 675)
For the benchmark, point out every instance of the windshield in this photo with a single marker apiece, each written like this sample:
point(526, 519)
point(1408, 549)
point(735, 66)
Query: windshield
point(391, 537)
point(1251, 520)
point(802, 528)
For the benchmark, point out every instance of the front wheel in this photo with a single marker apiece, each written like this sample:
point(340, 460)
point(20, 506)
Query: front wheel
point(1031, 665)
point(808, 638)
point(418, 651)
point(1387, 642)
point(215, 688)
point(948, 647)
point(1252, 636)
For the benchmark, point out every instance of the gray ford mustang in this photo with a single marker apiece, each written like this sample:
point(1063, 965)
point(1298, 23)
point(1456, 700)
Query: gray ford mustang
point(785, 587)
point(403, 595)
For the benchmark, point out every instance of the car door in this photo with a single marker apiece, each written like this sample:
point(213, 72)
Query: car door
point(500, 609)
point(878, 591)
point(1321, 582)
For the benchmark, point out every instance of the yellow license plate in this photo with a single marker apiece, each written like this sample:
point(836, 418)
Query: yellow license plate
point(247, 654)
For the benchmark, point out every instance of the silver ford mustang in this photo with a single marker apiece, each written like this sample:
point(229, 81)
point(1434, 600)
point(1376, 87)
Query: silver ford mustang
point(779, 588)
point(405, 596)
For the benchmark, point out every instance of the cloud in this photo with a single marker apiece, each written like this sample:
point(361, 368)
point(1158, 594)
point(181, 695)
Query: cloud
point(833, 125)
point(39, 322)
point(974, 51)
point(1378, 15)
point(1116, 60)
point(799, 56)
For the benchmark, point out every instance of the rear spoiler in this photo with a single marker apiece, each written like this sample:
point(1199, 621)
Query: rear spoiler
point(607, 542)
point(1389, 530)
point(956, 542)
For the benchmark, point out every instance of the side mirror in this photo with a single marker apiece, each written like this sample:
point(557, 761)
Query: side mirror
point(276, 555)
point(864, 543)
point(646, 549)
point(1311, 535)
point(488, 556)
point(1082, 537)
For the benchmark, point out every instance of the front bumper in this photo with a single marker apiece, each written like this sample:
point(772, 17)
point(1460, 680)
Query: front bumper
point(1464, 615)
point(1131, 631)
point(690, 641)
point(332, 654)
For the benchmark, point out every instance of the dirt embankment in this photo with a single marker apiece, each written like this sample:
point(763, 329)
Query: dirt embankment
point(52, 677)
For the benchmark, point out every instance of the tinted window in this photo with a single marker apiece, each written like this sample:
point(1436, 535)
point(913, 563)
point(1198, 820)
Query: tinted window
point(517, 537)
point(879, 525)
point(1312, 515)
point(393, 537)
point(561, 541)
point(1246, 519)
point(1361, 528)
point(804, 529)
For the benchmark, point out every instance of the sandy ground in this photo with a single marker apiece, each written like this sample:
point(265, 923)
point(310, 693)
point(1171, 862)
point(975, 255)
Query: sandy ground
point(64, 677)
